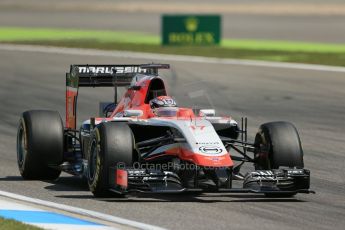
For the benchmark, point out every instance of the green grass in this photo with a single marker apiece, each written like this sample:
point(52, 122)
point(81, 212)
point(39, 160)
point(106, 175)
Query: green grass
point(15, 225)
point(34, 34)
point(284, 51)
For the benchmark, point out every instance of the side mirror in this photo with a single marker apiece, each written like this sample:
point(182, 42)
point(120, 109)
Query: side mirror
point(207, 113)
point(133, 113)
point(106, 108)
point(135, 87)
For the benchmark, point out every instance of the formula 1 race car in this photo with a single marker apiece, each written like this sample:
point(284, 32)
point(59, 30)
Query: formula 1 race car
point(146, 143)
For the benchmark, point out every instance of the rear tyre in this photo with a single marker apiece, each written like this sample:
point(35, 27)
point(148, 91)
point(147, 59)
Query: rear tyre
point(278, 144)
point(40, 145)
point(111, 144)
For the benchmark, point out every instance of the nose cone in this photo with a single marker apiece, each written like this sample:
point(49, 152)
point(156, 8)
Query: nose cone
point(207, 160)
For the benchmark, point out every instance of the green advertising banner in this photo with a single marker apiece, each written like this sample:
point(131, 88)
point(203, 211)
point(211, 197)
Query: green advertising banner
point(191, 29)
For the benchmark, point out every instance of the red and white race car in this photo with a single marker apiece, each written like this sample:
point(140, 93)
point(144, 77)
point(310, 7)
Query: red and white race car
point(147, 143)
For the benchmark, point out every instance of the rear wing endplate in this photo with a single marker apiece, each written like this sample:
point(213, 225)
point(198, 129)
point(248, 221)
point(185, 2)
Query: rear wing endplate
point(101, 76)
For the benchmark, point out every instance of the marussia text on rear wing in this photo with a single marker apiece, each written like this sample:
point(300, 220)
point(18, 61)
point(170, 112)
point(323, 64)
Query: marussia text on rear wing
point(100, 76)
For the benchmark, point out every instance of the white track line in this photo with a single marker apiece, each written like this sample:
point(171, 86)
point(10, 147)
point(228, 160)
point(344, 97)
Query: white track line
point(80, 211)
point(167, 57)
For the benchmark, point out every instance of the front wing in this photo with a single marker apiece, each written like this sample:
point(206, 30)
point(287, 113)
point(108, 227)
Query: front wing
point(282, 181)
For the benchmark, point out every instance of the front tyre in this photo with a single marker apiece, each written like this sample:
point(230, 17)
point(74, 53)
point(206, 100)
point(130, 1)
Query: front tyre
point(277, 144)
point(40, 145)
point(112, 143)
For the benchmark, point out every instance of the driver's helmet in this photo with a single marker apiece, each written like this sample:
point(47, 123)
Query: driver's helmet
point(164, 106)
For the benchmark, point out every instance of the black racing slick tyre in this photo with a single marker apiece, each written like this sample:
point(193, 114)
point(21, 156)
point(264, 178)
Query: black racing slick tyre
point(111, 144)
point(278, 144)
point(40, 145)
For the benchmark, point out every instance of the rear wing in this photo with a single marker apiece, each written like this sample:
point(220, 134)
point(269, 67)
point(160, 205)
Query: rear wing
point(101, 76)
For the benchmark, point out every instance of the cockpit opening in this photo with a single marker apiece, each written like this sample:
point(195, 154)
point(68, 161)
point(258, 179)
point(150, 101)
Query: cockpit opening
point(156, 88)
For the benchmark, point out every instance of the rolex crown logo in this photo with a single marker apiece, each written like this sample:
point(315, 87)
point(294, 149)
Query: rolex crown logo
point(191, 24)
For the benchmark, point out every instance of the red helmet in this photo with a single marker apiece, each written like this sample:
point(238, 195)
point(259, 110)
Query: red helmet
point(162, 101)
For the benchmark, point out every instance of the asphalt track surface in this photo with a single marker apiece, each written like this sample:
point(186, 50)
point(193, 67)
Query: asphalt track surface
point(312, 100)
point(269, 24)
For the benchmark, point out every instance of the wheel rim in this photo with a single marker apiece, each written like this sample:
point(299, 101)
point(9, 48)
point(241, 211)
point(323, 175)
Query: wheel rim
point(21, 145)
point(263, 153)
point(93, 160)
point(267, 148)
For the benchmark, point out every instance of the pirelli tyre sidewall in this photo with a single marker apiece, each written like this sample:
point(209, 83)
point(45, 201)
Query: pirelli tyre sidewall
point(40, 144)
point(95, 166)
point(111, 143)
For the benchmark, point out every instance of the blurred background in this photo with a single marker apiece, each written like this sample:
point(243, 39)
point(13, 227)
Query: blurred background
point(273, 30)
point(298, 20)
